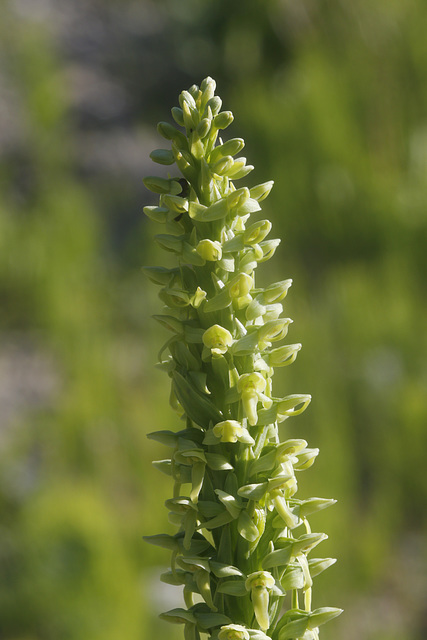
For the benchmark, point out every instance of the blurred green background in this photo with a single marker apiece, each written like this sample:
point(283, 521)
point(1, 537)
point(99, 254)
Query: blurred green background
point(331, 98)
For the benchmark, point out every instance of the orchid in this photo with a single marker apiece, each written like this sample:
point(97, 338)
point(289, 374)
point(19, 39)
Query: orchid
point(243, 538)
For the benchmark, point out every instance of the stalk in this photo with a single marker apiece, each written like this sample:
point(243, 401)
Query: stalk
point(243, 538)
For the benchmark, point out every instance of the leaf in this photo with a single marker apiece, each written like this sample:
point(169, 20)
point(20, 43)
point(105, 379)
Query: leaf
point(317, 565)
point(221, 301)
point(221, 570)
point(178, 616)
point(168, 438)
point(217, 462)
point(198, 407)
point(233, 588)
point(209, 620)
point(163, 540)
point(323, 615)
point(294, 629)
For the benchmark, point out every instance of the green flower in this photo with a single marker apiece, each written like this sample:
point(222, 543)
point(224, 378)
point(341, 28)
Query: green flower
point(234, 488)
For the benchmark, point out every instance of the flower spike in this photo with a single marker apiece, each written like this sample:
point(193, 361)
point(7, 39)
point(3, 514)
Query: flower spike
point(243, 538)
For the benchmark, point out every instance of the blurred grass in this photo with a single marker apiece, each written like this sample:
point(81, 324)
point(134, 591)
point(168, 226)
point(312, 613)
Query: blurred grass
point(332, 103)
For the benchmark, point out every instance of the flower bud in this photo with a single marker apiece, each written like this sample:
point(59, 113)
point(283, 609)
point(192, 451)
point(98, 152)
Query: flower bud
point(162, 156)
point(223, 166)
point(276, 292)
point(233, 632)
point(272, 331)
point(229, 148)
point(283, 356)
point(162, 185)
point(209, 250)
point(256, 232)
point(240, 286)
point(214, 104)
point(223, 120)
point(261, 191)
point(178, 116)
point(169, 132)
point(217, 339)
point(203, 127)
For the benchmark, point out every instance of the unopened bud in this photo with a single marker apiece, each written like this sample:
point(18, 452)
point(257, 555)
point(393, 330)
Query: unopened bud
point(223, 120)
point(209, 250)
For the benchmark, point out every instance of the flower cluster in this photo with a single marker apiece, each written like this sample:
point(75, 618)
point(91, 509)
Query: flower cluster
point(243, 538)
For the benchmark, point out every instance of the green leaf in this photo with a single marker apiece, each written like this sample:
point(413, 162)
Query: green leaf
point(217, 462)
point(221, 301)
point(210, 620)
point(233, 588)
point(221, 570)
point(294, 629)
point(198, 407)
point(178, 616)
point(163, 540)
point(168, 438)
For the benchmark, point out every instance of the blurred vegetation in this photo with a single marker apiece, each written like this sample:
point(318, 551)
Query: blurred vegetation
point(331, 99)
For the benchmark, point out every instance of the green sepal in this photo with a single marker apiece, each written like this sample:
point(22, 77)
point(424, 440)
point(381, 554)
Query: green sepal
point(198, 408)
point(233, 588)
point(246, 527)
point(293, 578)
